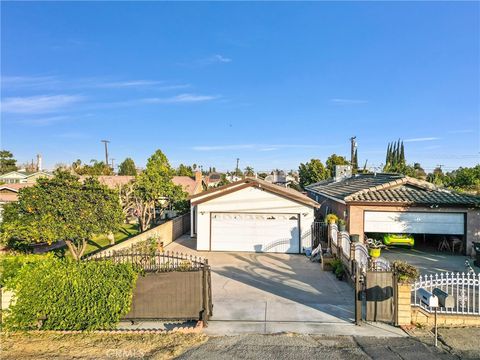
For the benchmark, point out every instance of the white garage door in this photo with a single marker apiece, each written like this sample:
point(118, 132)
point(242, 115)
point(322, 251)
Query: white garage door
point(277, 233)
point(414, 222)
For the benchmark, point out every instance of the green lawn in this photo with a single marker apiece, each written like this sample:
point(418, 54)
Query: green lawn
point(100, 241)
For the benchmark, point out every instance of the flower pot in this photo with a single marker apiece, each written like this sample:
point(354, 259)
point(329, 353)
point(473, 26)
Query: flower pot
point(342, 227)
point(374, 253)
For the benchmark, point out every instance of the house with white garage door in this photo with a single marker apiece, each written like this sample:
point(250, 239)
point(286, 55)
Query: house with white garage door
point(397, 204)
point(252, 215)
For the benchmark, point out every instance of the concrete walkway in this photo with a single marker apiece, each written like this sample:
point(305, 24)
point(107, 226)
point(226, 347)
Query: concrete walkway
point(271, 293)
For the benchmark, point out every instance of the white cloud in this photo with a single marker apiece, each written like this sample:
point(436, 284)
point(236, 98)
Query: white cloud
point(29, 81)
point(259, 147)
point(182, 98)
point(348, 101)
point(38, 104)
point(43, 121)
point(220, 58)
point(432, 138)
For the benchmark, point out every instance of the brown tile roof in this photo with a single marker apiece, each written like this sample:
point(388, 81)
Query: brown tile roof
point(15, 187)
point(258, 183)
point(112, 181)
point(189, 185)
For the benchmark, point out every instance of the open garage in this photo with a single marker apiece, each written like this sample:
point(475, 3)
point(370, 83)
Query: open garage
point(379, 205)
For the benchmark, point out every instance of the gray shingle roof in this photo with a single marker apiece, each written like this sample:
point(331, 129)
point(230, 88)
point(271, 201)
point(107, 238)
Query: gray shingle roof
point(343, 188)
point(388, 188)
point(412, 195)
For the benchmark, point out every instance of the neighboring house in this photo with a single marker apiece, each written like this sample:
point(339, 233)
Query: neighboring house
point(392, 203)
point(9, 193)
point(112, 181)
point(213, 179)
point(189, 185)
point(280, 178)
point(252, 215)
point(21, 177)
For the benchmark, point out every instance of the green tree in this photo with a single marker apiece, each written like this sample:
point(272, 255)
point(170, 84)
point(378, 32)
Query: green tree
point(395, 158)
point(62, 208)
point(154, 190)
point(127, 167)
point(334, 160)
point(7, 162)
point(312, 172)
point(249, 171)
point(184, 170)
point(96, 168)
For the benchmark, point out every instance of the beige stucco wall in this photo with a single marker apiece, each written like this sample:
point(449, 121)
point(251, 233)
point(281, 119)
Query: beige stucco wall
point(250, 200)
point(356, 213)
point(422, 317)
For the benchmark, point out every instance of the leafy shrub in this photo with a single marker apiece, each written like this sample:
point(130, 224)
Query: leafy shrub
point(339, 271)
point(405, 272)
point(335, 264)
point(10, 265)
point(63, 294)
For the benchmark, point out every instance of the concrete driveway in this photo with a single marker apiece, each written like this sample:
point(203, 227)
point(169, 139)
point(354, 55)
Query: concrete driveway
point(427, 261)
point(271, 293)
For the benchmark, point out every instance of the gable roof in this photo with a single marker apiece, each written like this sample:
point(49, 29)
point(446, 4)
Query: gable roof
point(21, 174)
point(189, 185)
point(390, 188)
point(15, 187)
point(408, 194)
point(257, 183)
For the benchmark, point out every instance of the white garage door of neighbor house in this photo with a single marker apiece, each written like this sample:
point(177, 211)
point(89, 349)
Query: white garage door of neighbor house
point(278, 233)
point(414, 222)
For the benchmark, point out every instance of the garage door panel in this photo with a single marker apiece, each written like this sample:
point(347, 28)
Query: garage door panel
point(414, 222)
point(255, 232)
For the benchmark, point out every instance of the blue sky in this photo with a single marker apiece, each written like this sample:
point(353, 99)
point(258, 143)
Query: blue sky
point(274, 84)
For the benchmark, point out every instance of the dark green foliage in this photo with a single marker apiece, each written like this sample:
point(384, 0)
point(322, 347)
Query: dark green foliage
point(405, 272)
point(312, 172)
point(184, 170)
point(334, 160)
point(96, 168)
point(395, 159)
point(62, 294)
point(7, 162)
point(62, 208)
point(127, 167)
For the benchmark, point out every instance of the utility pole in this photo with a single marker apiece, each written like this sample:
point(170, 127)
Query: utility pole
point(237, 169)
point(113, 167)
point(106, 142)
point(353, 147)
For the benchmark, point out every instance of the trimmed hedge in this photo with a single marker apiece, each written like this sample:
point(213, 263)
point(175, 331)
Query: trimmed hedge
point(63, 294)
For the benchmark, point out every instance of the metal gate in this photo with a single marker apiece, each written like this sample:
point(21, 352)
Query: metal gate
point(319, 234)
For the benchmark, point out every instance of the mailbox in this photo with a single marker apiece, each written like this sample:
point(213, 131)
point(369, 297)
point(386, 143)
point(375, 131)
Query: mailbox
point(427, 298)
point(444, 300)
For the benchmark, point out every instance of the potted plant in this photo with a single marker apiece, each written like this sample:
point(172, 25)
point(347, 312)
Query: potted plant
point(406, 273)
point(341, 224)
point(374, 248)
point(332, 218)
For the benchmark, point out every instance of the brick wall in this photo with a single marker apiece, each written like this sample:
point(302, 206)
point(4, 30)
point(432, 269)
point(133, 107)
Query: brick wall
point(420, 316)
point(164, 233)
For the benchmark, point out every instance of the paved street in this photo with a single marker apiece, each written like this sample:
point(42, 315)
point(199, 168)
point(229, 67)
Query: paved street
point(288, 346)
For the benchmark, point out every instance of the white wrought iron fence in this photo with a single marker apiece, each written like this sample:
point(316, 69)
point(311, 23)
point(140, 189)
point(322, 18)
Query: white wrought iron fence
point(463, 287)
